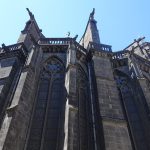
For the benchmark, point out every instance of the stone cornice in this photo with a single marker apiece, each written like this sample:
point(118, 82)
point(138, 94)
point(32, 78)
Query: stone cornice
point(16, 50)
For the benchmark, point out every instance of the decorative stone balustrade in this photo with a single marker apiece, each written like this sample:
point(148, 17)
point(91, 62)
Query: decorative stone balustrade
point(61, 41)
point(120, 54)
point(54, 41)
point(102, 47)
point(18, 50)
point(18, 46)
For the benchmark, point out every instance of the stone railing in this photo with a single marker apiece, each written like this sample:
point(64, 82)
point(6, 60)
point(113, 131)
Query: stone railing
point(19, 47)
point(61, 41)
point(102, 47)
point(16, 46)
point(120, 54)
point(54, 41)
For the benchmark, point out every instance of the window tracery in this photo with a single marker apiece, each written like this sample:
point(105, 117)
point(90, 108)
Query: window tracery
point(47, 114)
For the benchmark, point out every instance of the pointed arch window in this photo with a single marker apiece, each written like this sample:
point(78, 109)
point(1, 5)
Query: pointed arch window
point(46, 122)
point(83, 111)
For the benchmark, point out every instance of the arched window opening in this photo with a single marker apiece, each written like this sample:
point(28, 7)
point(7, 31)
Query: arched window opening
point(84, 110)
point(46, 123)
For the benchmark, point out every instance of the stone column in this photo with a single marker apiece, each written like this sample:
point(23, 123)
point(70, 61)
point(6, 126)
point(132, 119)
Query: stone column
point(71, 108)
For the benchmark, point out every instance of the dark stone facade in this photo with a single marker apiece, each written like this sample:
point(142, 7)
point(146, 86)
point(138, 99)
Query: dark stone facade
point(58, 94)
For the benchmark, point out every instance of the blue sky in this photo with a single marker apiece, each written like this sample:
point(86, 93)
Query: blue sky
point(119, 21)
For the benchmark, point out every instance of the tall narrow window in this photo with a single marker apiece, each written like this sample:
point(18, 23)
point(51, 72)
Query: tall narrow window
point(83, 109)
point(46, 123)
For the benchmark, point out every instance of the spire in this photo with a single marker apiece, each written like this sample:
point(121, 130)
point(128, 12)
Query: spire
point(92, 14)
point(75, 38)
point(30, 14)
point(91, 33)
point(31, 32)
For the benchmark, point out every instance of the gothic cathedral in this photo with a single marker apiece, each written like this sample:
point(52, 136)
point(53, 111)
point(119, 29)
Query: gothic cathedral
point(60, 94)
